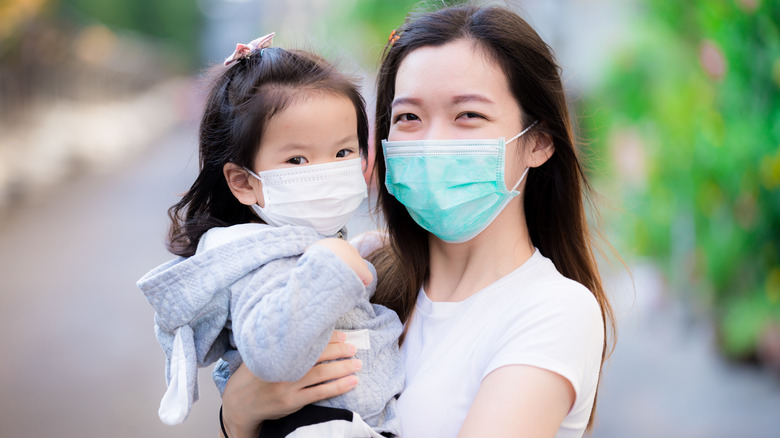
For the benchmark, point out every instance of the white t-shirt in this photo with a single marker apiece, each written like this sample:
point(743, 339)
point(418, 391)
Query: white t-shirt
point(532, 316)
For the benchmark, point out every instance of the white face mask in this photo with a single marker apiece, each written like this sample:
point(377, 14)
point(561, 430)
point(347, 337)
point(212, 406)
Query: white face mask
point(320, 196)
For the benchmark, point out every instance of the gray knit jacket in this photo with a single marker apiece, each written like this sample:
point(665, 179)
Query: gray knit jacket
point(266, 296)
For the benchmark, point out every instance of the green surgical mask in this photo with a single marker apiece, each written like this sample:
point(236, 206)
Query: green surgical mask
point(452, 188)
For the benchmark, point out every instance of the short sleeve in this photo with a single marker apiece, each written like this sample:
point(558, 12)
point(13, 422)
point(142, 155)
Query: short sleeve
point(558, 327)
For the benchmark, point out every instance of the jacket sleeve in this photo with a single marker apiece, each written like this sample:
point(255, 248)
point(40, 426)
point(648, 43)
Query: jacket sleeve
point(284, 317)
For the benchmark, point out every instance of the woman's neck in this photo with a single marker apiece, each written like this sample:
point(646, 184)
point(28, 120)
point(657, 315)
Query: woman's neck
point(459, 270)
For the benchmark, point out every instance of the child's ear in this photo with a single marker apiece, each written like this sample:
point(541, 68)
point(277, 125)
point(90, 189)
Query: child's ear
point(246, 188)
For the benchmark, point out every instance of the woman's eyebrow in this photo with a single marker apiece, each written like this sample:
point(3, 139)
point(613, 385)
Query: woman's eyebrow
point(471, 98)
point(406, 101)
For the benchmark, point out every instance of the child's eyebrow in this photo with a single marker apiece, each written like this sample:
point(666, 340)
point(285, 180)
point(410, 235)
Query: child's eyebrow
point(347, 139)
point(293, 146)
point(303, 146)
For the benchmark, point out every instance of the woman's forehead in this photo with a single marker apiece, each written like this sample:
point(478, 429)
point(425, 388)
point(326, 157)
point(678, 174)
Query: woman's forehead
point(454, 69)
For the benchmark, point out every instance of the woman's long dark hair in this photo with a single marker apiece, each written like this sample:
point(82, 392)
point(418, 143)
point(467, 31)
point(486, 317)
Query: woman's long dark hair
point(554, 191)
point(243, 98)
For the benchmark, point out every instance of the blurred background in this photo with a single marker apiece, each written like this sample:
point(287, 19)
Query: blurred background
point(677, 103)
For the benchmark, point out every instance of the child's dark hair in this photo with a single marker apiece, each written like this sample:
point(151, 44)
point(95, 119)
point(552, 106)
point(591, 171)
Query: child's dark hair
point(243, 98)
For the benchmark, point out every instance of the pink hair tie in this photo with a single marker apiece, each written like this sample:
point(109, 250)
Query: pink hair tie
point(246, 50)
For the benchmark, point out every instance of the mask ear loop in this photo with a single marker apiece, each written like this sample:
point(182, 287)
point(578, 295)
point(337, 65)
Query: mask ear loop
point(253, 174)
point(522, 132)
point(256, 207)
point(520, 180)
point(515, 138)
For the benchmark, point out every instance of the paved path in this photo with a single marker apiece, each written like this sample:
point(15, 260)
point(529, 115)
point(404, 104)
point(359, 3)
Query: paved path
point(666, 378)
point(80, 360)
point(79, 355)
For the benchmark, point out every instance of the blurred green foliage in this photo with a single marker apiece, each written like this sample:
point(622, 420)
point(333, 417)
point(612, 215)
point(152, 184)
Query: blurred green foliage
point(174, 23)
point(371, 21)
point(695, 101)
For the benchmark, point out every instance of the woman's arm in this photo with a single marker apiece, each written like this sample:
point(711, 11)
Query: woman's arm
point(519, 400)
point(248, 401)
point(282, 318)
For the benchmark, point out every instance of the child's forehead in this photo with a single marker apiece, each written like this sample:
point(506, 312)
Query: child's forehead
point(275, 99)
point(301, 99)
point(293, 93)
point(323, 115)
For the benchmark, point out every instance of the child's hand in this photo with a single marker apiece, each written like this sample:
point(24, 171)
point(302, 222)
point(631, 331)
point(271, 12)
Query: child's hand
point(350, 256)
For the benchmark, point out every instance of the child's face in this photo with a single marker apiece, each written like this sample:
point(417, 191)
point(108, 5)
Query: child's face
point(320, 128)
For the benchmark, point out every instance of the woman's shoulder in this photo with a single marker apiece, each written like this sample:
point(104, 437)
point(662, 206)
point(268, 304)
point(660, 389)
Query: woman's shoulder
point(541, 289)
point(546, 320)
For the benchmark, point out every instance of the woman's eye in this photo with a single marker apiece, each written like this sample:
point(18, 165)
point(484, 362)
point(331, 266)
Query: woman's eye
point(471, 115)
point(297, 160)
point(406, 117)
point(344, 152)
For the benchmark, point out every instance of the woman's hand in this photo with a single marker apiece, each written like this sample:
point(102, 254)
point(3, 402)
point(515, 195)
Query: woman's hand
point(248, 401)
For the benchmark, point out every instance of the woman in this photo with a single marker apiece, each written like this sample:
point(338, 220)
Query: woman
point(488, 261)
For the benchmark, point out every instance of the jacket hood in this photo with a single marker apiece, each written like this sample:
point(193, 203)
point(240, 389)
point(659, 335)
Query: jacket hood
point(183, 289)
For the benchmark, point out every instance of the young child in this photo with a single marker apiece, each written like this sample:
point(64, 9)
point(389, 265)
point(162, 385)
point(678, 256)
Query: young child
point(264, 276)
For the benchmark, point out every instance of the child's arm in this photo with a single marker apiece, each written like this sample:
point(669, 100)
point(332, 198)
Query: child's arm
point(349, 255)
point(283, 318)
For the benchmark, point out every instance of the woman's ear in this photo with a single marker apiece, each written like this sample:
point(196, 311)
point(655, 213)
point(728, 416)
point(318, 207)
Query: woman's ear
point(541, 149)
point(246, 188)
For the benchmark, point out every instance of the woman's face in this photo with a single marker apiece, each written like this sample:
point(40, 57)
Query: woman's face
point(456, 91)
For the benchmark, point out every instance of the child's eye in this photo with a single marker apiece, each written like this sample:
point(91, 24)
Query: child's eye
point(344, 152)
point(297, 160)
point(406, 117)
